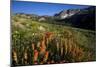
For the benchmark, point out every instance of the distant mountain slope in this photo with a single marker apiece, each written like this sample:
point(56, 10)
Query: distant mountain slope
point(84, 18)
point(80, 18)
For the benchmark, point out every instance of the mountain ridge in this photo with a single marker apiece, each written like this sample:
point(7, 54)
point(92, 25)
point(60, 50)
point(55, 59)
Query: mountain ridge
point(81, 18)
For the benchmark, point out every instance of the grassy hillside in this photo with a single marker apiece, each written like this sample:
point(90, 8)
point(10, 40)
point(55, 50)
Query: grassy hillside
point(35, 42)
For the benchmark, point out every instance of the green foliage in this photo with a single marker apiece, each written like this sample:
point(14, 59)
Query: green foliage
point(74, 44)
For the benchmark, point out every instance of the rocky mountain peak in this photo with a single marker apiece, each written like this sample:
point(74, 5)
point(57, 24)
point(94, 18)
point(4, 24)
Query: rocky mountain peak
point(66, 13)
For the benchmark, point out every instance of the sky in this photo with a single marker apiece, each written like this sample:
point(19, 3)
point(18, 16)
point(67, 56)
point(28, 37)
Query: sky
point(39, 8)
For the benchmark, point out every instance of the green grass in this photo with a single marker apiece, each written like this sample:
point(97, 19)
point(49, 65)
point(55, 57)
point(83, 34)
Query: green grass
point(25, 31)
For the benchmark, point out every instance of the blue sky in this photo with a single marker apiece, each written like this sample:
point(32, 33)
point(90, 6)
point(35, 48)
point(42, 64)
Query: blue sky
point(41, 8)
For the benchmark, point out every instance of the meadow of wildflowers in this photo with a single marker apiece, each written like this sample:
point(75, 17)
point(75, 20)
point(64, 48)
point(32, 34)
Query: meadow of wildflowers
point(35, 43)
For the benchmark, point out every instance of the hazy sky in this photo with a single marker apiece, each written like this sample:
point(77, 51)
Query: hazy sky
point(41, 8)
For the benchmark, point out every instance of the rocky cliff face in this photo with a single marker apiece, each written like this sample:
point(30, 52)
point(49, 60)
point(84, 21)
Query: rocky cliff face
point(71, 12)
point(66, 13)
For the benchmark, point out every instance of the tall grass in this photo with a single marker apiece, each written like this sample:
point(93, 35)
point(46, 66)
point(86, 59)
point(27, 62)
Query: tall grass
point(55, 44)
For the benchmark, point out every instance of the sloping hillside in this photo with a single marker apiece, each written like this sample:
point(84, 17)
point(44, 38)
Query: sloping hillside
point(50, 43)
point(80, 18)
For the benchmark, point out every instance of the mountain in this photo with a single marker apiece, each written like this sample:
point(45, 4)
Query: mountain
point(66, 14)
point(81, 18)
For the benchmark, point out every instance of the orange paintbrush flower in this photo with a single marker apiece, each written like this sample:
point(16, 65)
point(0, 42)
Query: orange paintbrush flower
point(48, 34)
point(43, 43)
point(42, 50)
point(42, 46)
point(46, 56)
point(48, 37)
point(35, 55)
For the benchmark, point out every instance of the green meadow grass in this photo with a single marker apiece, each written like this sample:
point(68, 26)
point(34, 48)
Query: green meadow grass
point(25, 31)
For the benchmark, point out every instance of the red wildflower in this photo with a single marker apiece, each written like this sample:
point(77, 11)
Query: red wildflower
point(48, 34)
point(35, 55)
